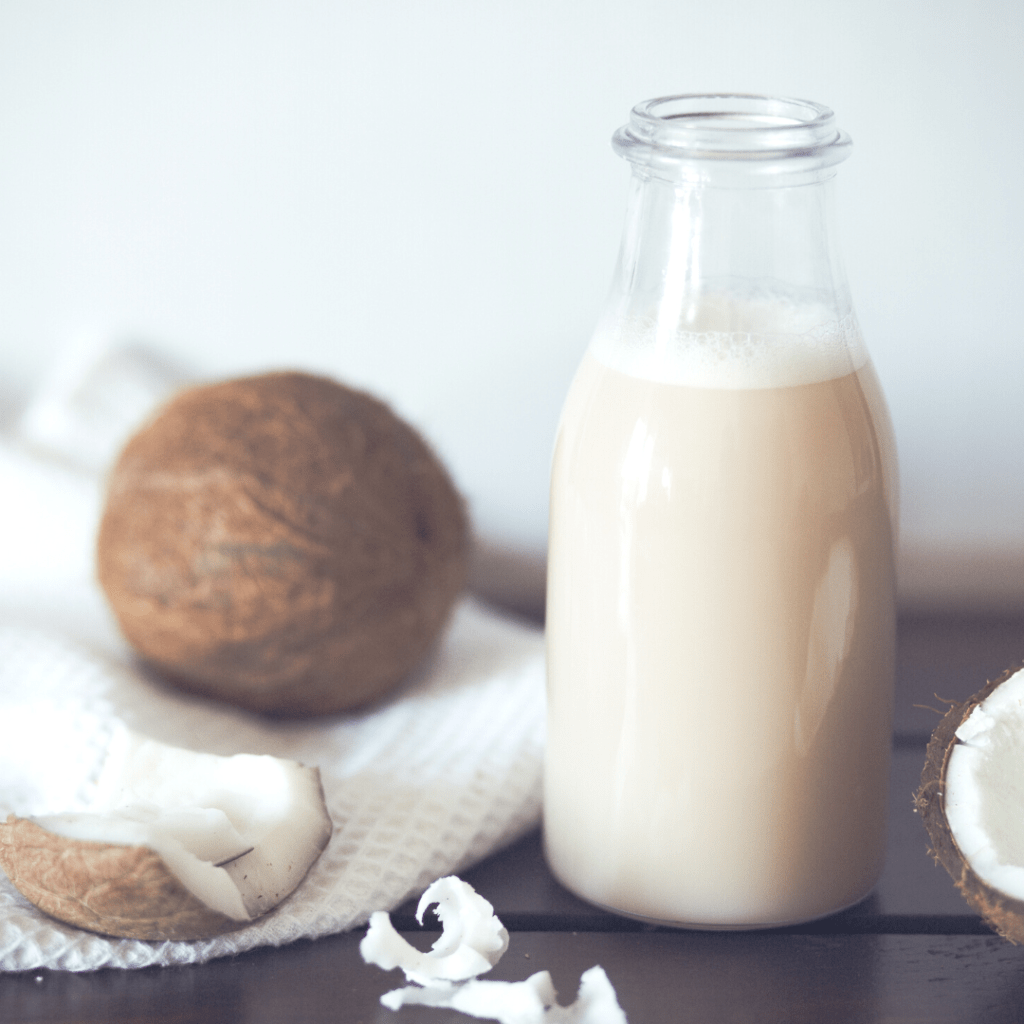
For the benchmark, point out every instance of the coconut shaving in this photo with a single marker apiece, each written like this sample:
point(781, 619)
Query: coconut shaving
point(473, 940)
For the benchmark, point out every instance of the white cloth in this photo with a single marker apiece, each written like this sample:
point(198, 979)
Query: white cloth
point(443, 773)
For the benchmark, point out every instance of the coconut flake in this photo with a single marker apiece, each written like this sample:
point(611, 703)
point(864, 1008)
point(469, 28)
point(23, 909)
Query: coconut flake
point(533, 1001)
point(472, 942)
point(508, 1002)
point(975, 727)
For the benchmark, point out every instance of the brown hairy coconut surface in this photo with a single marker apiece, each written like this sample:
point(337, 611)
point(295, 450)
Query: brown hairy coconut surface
point(281, 542)
point(1004, 913)
point(125, 891)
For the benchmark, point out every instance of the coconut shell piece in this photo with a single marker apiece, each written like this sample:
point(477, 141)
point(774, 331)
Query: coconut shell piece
point(1002, 912)
point(281, 542)
point(124, 891)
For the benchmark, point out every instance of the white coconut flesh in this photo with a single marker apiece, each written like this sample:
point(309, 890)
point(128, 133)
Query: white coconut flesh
point(472, 942)
point(240, 833)
point(984, 788)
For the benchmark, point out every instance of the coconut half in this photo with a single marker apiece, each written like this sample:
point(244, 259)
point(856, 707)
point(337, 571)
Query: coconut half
point(175, 845)
point(971, 801)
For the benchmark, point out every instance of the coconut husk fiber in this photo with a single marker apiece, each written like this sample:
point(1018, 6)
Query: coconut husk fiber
point(282, 542)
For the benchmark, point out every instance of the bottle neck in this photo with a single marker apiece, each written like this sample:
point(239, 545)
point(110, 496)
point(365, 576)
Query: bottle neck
point(729, 272)
point(691, 249)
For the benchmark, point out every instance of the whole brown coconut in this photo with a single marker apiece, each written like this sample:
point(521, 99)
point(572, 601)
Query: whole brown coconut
point(1000, 910)
point(281, 542)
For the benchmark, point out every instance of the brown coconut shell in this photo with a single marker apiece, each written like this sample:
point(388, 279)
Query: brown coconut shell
point(124, 891)
point(282, 542)
point(1004, 913)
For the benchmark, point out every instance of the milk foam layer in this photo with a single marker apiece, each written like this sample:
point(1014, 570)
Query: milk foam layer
point(729, 342)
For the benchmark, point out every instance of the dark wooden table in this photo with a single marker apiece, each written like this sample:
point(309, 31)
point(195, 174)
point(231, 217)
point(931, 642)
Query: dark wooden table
point(912, 952)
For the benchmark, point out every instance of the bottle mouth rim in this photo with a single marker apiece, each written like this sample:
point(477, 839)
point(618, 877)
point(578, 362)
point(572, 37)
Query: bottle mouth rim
point(771, 132)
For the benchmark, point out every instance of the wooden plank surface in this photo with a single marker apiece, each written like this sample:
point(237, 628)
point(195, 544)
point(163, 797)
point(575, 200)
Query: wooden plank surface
point(943, 658)
point(660, 977)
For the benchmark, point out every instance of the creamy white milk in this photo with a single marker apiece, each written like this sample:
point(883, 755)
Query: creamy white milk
point(720, 622)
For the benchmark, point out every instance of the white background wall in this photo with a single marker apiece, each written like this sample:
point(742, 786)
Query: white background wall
point(419, 197)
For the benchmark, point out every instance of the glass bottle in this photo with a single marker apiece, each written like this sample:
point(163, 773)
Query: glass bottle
point(721, 596)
